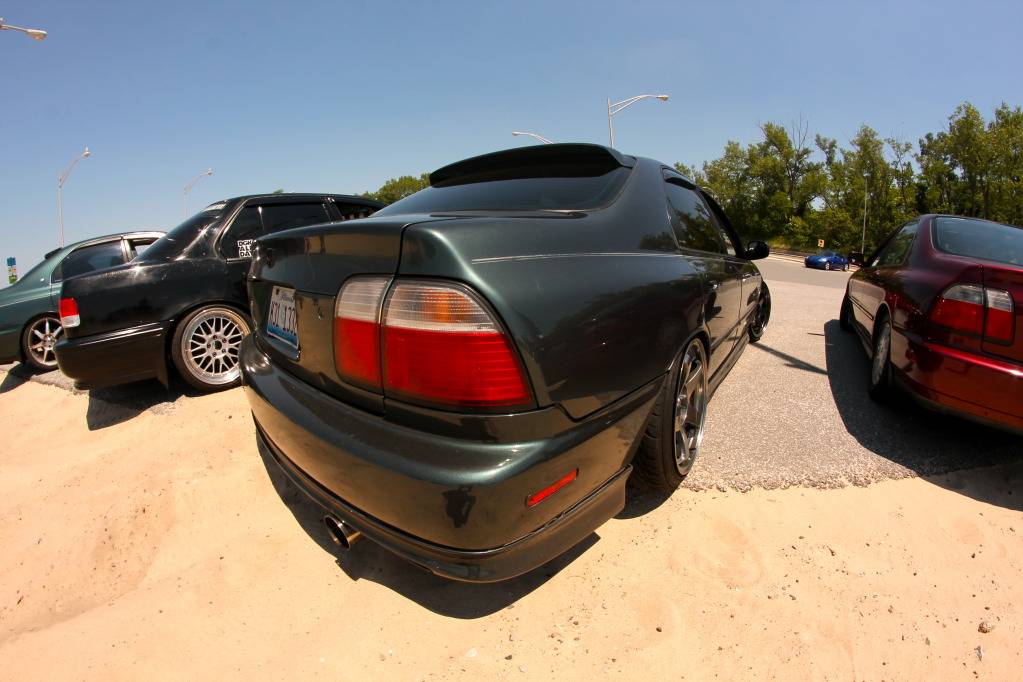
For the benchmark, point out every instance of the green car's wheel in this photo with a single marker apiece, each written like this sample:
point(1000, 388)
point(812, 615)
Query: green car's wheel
point(37, 342)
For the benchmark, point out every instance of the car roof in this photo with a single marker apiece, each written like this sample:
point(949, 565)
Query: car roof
point(286, 197)
point(135, 234)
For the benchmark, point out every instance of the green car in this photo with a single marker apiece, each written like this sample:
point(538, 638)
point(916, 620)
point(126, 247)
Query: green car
point(29, 321)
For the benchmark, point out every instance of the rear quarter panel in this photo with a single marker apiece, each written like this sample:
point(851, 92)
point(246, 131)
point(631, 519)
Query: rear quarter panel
point(596, 303)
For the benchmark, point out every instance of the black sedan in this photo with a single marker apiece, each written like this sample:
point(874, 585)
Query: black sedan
point(469, 377)
point(184, 299)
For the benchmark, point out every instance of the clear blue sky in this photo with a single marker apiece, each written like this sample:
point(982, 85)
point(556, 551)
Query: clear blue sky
point(339, 96)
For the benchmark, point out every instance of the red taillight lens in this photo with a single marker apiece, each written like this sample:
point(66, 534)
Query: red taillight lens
point(69, 313)
point(1001, 319)
point(357, 331)
point(442, 346)
point(961, 307)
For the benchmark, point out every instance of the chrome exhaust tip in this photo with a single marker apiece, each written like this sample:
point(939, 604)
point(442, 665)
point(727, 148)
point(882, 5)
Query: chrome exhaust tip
point(343, 535)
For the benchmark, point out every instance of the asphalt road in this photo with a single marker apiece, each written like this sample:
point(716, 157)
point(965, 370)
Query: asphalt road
point(793, 411)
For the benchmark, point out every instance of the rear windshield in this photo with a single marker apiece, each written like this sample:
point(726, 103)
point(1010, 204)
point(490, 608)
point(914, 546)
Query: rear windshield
point(177, 240)
point(574, 191)
point(979, 239)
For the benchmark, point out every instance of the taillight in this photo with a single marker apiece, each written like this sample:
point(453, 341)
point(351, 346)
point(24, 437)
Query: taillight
point(1001, 322)
point(357, 331)
point(441, 346)
point(976, 310)
point(69, 313)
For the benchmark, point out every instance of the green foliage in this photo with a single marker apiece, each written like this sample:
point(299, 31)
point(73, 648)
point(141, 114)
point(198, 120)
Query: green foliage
point(277, 191)
point(399, 188)
point(783, 190)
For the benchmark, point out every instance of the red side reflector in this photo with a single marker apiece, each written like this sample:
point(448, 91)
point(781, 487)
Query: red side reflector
point(69, 313)
point(538, 497)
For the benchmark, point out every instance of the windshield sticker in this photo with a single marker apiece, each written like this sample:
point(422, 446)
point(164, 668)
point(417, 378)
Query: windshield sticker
point(245, 248)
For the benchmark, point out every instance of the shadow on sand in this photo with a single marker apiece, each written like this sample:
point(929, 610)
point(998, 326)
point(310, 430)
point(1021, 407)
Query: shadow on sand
point(368, 561)
point(118, 404)
point(945, 450)
point(15, 376)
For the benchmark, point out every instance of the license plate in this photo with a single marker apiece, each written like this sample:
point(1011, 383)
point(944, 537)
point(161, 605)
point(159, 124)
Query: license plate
point(281, 322)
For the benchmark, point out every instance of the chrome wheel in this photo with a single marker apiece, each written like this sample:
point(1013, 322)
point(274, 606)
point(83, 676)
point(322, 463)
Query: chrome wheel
point(209, 347)
point(39, 340)
point(827, 265)
point(690, 406)
point(881, 351)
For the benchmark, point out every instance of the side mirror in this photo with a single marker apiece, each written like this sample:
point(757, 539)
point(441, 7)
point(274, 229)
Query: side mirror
point(856, 257)
point(757, 249)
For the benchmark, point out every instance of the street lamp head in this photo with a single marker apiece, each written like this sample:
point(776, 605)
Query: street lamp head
point(663, 98)
point(86, 154)
point(36, 34)
point(209, 171)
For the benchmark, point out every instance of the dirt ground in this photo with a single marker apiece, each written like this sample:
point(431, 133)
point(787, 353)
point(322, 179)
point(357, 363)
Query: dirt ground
point(160, 545)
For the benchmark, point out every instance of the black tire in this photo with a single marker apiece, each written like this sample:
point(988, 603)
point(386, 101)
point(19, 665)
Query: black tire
point(758, 323)
point(845, 314)
point(880, 385)
point(656, 464)
point(210, 334)
point(37, 340)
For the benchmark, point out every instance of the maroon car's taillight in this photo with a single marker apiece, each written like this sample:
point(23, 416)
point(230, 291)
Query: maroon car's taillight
point(441, 346)
point(69, 313)
point(357, 331)
point(1000, 324)
point(974, 309)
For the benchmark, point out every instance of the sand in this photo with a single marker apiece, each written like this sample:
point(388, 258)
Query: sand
point(161, 547)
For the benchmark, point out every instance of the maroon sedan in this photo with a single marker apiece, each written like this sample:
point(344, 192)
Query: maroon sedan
point(939, 308)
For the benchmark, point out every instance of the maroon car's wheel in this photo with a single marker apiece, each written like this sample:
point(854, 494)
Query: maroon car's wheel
point(845, 316)
point(674, 432)
point(880, 363)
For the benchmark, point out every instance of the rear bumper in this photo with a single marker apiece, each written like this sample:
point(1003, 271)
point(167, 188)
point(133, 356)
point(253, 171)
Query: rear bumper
point(454, 506)
point(115, 357)
point(973, 386)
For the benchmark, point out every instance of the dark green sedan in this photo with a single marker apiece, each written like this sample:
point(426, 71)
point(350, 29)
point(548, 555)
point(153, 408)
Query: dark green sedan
point(29, 322)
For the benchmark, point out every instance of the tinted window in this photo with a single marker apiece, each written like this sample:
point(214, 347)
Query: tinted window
point(895, 251)
point(557, 191)
point(979, 239)
point(138, 246)
point(692, 221)
point(89, 258)
point(354, 211)
point(177, 240)
point(246, 228)
point(277, 217)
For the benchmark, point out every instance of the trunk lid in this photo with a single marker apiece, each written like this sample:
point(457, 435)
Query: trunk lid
point(313, 263)
point(1010, 279)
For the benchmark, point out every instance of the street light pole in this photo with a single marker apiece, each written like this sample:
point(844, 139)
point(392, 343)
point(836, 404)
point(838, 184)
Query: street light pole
point(61, 179)
point(34, 33)
point(613, 109)
point(533, 135)
point(188, 188)
point(863, 237)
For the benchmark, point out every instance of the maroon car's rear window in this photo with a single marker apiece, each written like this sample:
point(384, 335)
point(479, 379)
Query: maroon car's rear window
point(979, 239)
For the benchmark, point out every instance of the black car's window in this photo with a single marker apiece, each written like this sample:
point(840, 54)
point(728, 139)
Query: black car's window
point(557, 189)
point(694, 225)
point(895, 251)
point(247, 227)
point(136, 247)
point(89, 258)
point(277, 217)
point(353, 211)
point(979, 239)
point(175, 242)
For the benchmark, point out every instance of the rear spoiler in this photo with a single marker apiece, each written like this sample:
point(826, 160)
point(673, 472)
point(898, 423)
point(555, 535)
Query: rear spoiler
point(537, 161)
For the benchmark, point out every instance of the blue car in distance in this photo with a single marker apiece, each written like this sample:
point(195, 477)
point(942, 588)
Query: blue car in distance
point(827, 260)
